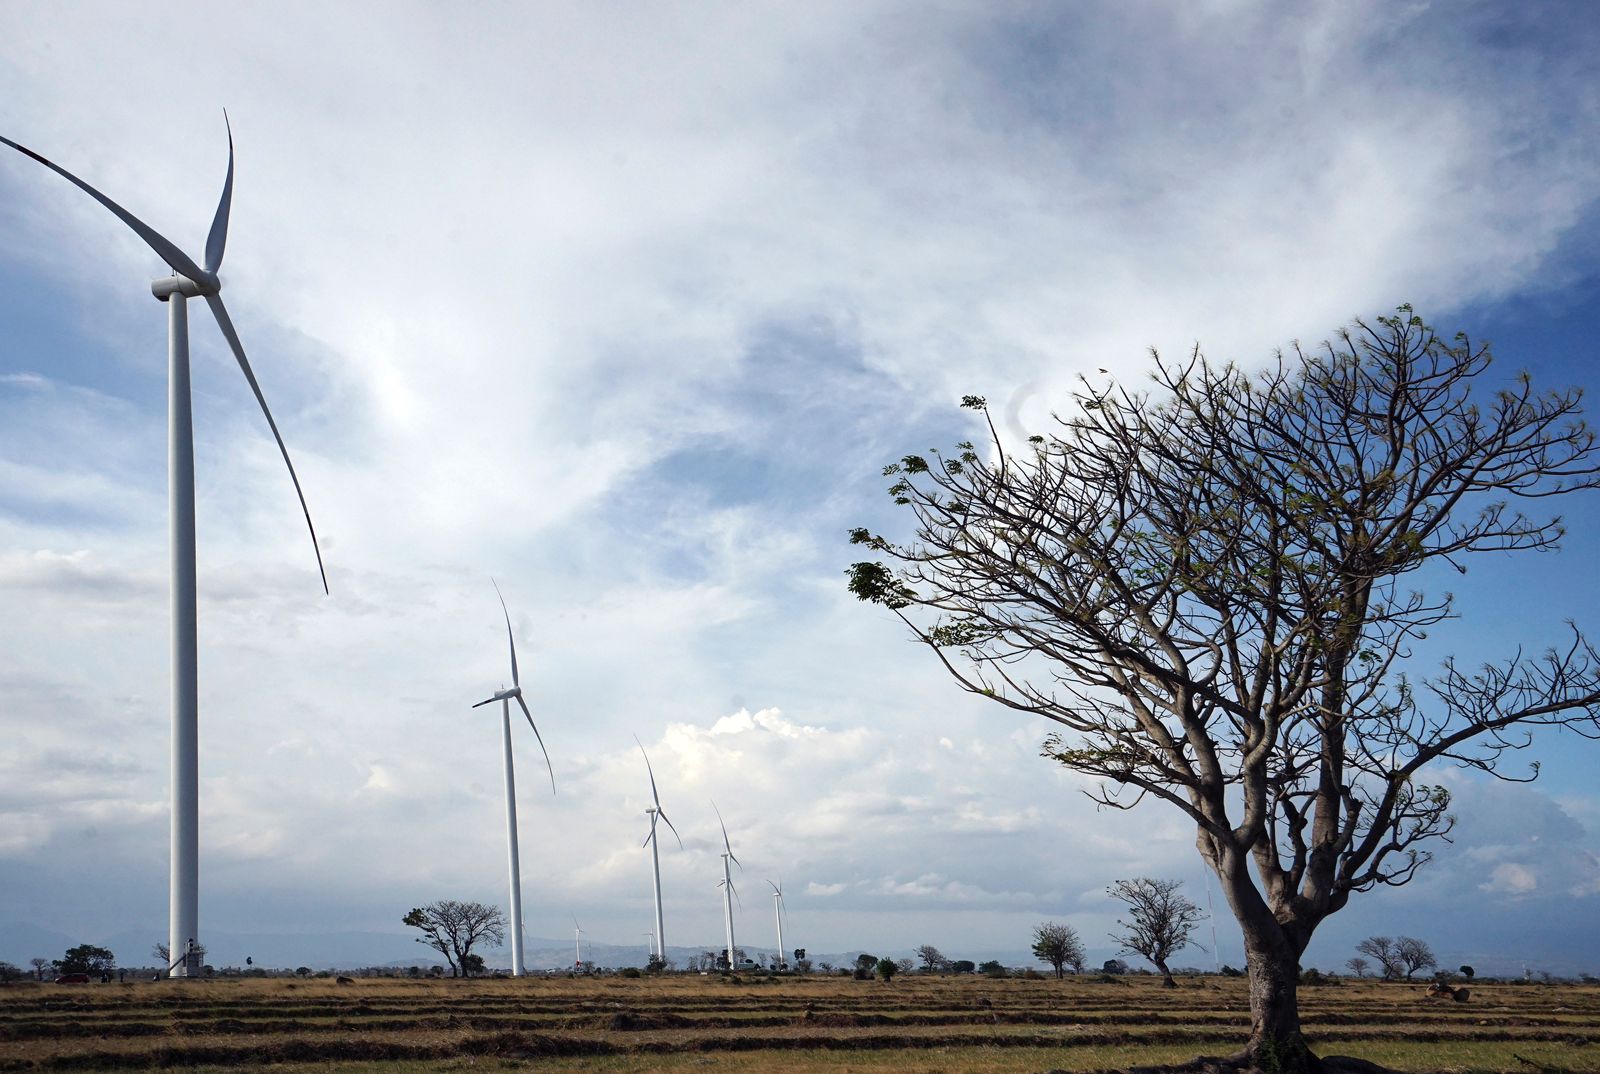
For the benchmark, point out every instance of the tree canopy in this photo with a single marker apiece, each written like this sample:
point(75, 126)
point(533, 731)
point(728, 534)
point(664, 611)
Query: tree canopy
point(452, 927)
point(1214, 588)
point(1162, 920)
point(1059, 945)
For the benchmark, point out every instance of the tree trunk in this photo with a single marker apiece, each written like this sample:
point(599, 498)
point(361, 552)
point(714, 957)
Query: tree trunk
point(1276, 1045)
point(1166, 976)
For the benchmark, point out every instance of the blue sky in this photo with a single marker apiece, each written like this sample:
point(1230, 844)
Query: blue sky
point(626, 308)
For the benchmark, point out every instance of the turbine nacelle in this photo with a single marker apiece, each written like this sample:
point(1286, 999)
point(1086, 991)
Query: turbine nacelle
point(164, 288)
point(503, 695)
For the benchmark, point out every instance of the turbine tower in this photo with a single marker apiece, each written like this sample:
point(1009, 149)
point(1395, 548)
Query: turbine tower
point(577, 945)
point(655, 812)
point(505, 698)
point(189, 281)
point(728, 892)
point(777, 912)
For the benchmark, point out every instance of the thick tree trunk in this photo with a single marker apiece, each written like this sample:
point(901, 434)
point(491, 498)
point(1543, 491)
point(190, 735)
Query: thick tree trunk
point(1166, 976)
point(1276, 1045)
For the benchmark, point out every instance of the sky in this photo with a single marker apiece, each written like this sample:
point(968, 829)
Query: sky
point(625, 307)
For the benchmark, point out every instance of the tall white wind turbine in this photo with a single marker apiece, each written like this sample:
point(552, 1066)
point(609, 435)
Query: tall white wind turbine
point(726, 884)
point(189, 281)
point(505, 697)
point(777, 912)
point(655, 812)
point(577, 945)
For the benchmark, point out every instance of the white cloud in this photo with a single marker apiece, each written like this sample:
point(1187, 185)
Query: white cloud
point(1510, 879)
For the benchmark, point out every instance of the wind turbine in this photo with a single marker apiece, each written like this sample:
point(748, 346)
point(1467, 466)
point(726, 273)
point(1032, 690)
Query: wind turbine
point(726, 884)
point(505, 698)
point(577, 945)
point(777, 912)
point(189, 281)
point(655, 813)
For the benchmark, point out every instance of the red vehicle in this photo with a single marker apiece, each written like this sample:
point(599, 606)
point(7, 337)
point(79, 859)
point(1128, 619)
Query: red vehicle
point(73, 978)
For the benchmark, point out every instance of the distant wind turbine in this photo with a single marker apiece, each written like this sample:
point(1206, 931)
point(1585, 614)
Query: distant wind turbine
point(190, 281)
point(577, 945)
point(728, 892)
point(505, 697)
point(655, 813)
point(777, 912)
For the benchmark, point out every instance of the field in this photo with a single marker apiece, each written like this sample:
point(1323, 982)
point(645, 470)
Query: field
point(816, 1025)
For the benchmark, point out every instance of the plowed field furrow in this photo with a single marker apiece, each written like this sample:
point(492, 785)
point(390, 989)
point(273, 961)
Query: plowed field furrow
point(604, 1025)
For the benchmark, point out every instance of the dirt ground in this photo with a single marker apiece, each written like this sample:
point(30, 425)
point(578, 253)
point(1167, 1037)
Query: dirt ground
point(758, 1025)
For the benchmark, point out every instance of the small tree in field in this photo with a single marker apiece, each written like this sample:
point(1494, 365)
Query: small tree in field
point(1059, 945)
point(1414, 955)
point(1358, 966)
point(1212, 588)
point(452, 928)
point(932, 959)
point(86, 958)
point(1163, 921)
point(1387, 953)
point(887, 968)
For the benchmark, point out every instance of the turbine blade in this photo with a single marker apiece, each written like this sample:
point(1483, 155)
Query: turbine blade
point(653, 795)
point(174, 257)
point(218, 239)
point(220, 311)
point(725, 844)
point(660, 813)
point(514, 680)
point(774, 888)
point(540, 739)
point(486, 701)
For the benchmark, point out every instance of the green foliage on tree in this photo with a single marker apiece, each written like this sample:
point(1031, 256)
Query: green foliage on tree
point(86, 958)
point(1059, 945)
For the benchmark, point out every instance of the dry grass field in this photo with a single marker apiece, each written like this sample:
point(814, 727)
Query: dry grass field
point(816, 1025)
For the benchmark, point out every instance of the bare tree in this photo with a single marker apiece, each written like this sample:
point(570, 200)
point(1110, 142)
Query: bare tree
point(1059, 945)
point(1205, 586)
point(1358, 966)
point(1163, 920)
point(1387, 954)
point(1414, 955)
point(452, 928)
point(39, 966)
point(932, 959)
